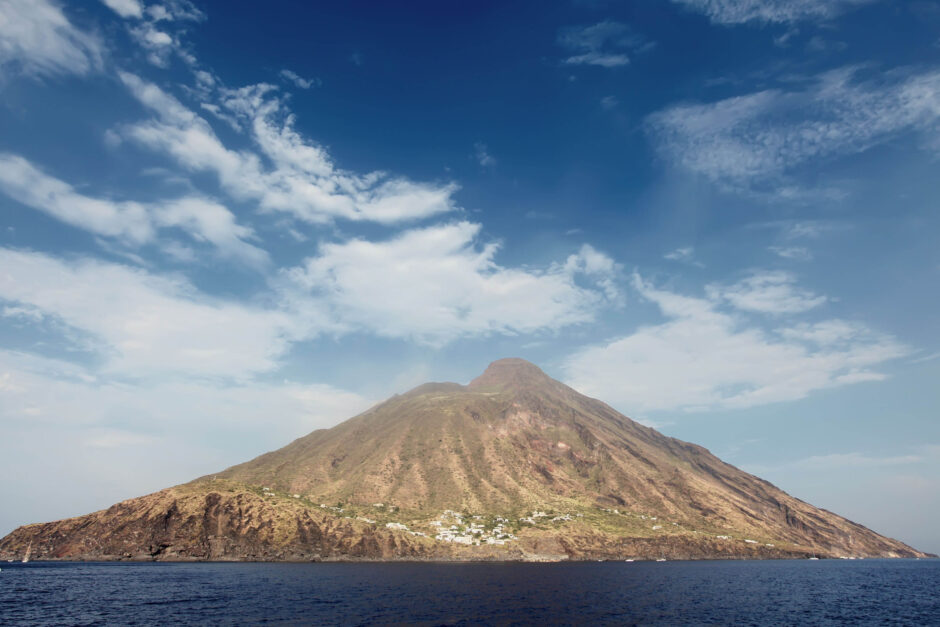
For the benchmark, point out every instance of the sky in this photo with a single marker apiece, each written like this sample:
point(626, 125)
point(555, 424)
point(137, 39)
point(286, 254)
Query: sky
point(226, 224)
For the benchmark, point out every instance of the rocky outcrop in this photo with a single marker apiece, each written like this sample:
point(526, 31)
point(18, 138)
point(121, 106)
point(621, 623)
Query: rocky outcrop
point(220, 524)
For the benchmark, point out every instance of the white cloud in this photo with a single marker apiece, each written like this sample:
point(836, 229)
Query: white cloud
point(208, 221)
point(147, 325)
point(25, 183)
point(604, 44)
point(609, 102)
point(436, 284)
point(125, 8)
point(37, 39)
point(779, 11)
point(157, 38)
point(597, 266)
point(218, 112)
point(791, 230)
point(303, 180)
point(685, 254)
point(766, 292)
point(166, 106)
point(151, 31)
point(298, 80)
point(761, 138)
point(133, 222)
point(158, 44)
point(701, 358)
point(483, 157)
point(175, 10)
point(603, 59)
point(680, 254)
point(798, 253)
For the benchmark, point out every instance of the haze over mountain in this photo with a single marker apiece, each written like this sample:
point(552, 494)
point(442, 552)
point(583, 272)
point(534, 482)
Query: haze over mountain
point(514, 465)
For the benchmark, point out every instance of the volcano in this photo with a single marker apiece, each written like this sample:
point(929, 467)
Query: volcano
point(513, 466)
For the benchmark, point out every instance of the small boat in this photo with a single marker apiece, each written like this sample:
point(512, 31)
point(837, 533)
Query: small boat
point(629, 560)
point(29, 550)
point(661, 559)
point(814, 557)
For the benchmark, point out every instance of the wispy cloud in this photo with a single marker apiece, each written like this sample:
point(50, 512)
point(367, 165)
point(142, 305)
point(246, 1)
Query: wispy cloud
point(764, 11)
point(26, 183)
point(680, 254)
point(821, 45)
point(809, 229)
point(175, 10)
point(605, 44)
point(828, 333)
point(158, 44)
point(298, 80)
point(156, 29)
point(703, 358)
point(686, 255)
point(134, 223)
point(758, 140)
point(926, 358)
point(483, 156)
point(796, 253)
point(302, 181)
point(766, 292)
point(36, 38)
point(791, 231)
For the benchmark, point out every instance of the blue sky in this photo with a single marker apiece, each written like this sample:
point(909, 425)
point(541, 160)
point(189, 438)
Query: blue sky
point(224, 225)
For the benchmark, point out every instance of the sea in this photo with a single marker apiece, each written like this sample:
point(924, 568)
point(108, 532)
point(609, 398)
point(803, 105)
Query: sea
point(797, 592)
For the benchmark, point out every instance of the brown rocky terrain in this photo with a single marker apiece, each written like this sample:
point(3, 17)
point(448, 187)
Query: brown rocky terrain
point(513, 466)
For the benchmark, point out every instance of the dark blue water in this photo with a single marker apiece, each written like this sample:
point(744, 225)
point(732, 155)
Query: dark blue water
point(674, 593)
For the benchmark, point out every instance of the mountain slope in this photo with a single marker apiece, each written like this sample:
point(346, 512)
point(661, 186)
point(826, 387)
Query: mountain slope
point(514, 465)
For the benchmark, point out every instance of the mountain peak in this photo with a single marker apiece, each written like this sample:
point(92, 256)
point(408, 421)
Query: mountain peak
point(511, 371)
point(509, 448)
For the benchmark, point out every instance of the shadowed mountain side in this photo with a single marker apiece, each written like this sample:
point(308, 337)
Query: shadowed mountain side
point(514, 465)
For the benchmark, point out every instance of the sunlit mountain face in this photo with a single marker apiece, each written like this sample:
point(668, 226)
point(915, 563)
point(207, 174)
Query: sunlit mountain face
point(513, 466)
